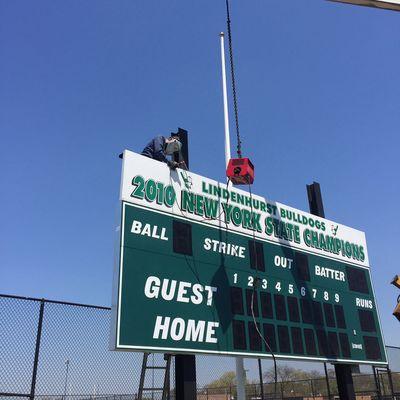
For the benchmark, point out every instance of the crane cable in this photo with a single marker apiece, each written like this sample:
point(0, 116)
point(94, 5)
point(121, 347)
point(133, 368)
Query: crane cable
point(235, 105)
point(239, 153)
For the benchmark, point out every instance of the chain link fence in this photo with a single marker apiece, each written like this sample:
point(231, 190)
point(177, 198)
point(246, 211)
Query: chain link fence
point(52, 350)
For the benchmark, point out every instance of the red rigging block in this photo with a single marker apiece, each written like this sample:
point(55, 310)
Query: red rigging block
point(240, 171)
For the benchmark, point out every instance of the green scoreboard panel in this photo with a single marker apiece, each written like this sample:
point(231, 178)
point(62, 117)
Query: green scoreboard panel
point(183, 285)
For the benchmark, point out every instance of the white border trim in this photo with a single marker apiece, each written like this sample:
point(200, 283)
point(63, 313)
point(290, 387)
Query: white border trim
point(121, 263)
point(250, 355)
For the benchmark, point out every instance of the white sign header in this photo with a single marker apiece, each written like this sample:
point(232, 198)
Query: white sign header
point(151, 184)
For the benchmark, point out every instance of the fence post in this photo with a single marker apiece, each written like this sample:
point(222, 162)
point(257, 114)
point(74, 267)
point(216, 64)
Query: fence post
point(312, 388)
point(389, 373)
point(377, 383)
point(37, 350)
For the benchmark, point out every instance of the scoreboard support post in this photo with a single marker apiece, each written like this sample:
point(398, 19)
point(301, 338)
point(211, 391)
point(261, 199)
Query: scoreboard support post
point(344, 381)
point(183, 137)
point(185, 365)
point(185, 377)
point(344, 377)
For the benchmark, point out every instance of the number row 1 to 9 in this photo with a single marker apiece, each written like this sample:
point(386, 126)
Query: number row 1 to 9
point(263, 283)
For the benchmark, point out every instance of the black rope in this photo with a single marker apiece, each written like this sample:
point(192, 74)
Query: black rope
point(235, 106)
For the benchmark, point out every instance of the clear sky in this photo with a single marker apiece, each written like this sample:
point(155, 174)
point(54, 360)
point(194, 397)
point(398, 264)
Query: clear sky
point(80, 81)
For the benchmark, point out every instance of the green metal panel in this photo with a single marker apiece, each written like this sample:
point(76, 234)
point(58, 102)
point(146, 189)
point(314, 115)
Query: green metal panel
point(192, 322)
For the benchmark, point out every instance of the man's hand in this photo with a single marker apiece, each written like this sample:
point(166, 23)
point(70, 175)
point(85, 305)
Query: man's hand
point(183, 165)
point(173, 165)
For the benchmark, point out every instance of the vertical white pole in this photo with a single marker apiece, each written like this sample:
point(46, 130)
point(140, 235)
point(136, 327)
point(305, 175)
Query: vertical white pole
point(240, 372)
point(240, 379)
point(225, 95)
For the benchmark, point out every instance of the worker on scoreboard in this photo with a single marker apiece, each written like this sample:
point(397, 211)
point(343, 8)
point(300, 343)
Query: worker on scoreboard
point(160, 147)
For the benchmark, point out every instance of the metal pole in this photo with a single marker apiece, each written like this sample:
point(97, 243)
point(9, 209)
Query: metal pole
point(185, 365)
point(343, 371)
point(312, 388)
point(389, 372)
point(261, 378)
point(240, 379)
point(377, 383)
point(37, 350)
point(183, 155)
point(225, 96)
point(185, 377)
point(240, 372)
point(328, 388)
point(66, 378)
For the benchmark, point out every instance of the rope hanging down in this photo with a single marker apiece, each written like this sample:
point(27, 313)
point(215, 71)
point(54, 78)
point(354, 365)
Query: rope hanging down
point(239, 153)
point(235, 106)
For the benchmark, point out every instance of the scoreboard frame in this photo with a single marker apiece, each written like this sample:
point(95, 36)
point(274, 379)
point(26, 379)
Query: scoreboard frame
point(156, 215)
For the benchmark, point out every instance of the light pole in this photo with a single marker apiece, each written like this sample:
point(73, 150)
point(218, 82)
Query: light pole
point(66, 378)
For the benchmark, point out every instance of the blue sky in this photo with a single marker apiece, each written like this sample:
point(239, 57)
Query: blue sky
point(82, 80)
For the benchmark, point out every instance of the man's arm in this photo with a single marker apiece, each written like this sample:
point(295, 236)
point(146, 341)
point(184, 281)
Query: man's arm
point(159, 153)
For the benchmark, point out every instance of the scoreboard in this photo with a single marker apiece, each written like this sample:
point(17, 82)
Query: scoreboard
point(207, 268)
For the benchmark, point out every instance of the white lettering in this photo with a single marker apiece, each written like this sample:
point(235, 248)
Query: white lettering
point(364, 303)
point(152, 287)
point(148, 230)
point(195, 333)
point(210, 290)
point(207, 244)
point(177, 329)
point(182, 290)
point(192, 330)
point(154, 234)
point(136, 226)
point(160, 326)
point(164, 289)
point(329, 273)
point(163, 237)
point(197, 296)
point(224, 248)
point(211, 332)
point(283, 262)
